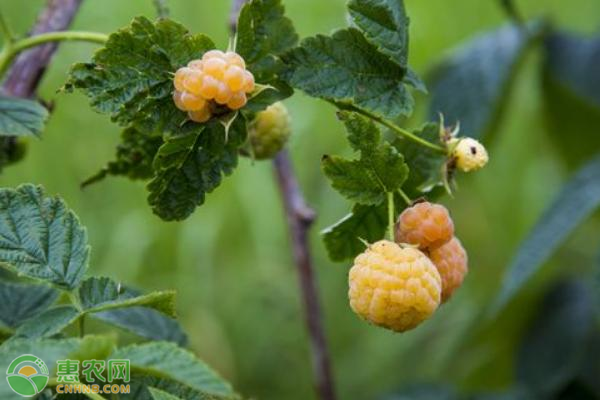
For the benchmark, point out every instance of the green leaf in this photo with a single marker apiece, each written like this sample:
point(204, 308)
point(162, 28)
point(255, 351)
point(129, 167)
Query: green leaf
point(575, 202)
point(19, 301)
point(473, 84)
point(131, 77)
point(102, 294)
point(190, 166)
point(49, 350)
point(384, 24)
point(349, 71)
point(144, 385)
point(380, 169)
point(166, 360)
point(572, 94)
point(134, 156)
point(553, 348)
point(264, 32)
point(21, 117)
point(49, 323)
point(424, 392)
point(369, 223)
point(41, 238)
point(427, 167)
point(158, 394)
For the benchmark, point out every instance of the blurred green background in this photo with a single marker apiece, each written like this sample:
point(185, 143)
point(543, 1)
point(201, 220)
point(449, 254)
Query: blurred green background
point(231, 262)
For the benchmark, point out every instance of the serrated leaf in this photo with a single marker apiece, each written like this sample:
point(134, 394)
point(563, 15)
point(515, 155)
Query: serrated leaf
point(384, 24)
point(41, 238)
point(166, 360)
point(146, 323)
point(21, 117)
point(553, 348)
point(571, 91)
point(348, 70)
point(575, 202)
point(49, 350)
point(190, 166)
point(143, 385)
point(472, 85)
point(427, 167)
point(380, 169)
point(103, 294)
point(134, 156)
point(48, 323)
point(130, 78)
point(19, 301)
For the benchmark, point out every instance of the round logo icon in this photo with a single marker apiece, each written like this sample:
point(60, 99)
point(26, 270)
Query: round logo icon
point(27, 375)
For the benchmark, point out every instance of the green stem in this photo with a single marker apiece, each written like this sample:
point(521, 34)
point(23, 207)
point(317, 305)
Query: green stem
point(82, 326)
point(10, 52)
point(510, 8)
point(406, 199)
point(391, 221)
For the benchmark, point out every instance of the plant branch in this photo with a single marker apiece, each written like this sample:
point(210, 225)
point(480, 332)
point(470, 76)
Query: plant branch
point(300, 217)
point(17, 47)
point(28, 68)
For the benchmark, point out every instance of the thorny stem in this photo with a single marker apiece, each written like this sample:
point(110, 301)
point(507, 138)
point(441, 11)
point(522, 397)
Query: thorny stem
point(511, 9)
point(300, 218)
point(11, 51)
point(390, 198)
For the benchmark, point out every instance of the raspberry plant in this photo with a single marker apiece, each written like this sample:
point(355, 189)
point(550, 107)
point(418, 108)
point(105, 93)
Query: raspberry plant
point(187, 111)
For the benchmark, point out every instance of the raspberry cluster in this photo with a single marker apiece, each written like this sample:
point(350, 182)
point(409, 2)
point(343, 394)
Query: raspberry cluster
point(269, 131)
point(398, 285)
point(217, 80)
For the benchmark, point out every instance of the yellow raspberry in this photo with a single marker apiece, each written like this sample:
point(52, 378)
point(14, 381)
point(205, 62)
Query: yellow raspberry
point(234, 78)
point(237, 101)
point(201, 115)
point(196, 64)
point(224, 94)
point(179, 78)
point(426, 225)
point(269, 131)
point(234, 59)
point(178, 101)
point(249, 83)
point(209, 88)
point(468, 153)
point(193, 81)
point(451, 262)
point(215, 67)
point(213, 54)
point(191, 102)
point(393, 287)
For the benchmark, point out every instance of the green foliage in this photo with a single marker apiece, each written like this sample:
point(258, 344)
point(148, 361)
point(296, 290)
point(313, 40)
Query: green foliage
point(572, 94)
point(380, 169)
point(131, 77)
point(134, 157)
point(41, 238)
point(102, 294)
point(575, 202)
point(166, 360)
point(49, 322)
point(187, 167)
point(19, 302)
point(158, 394)
point(428, 168)
point(21, 117)
point(553, 349)
point(385, 25)
point(472, 85)
point(349, 71)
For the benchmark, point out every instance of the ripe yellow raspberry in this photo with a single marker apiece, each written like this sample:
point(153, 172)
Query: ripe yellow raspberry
point(426, 225)
point(269, 131)
point(219, 79)
point(201, 115)
point(393, 287)
point(469, 154)
point(451, 262)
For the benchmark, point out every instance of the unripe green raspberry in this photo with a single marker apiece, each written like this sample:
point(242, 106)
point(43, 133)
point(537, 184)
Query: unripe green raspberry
point(394, 287)
point(426, 225)
point(468, 153)
point(269, 131)
point(451, 261)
